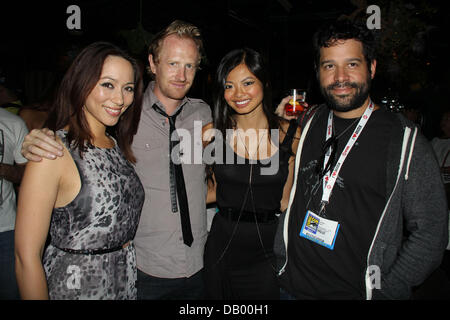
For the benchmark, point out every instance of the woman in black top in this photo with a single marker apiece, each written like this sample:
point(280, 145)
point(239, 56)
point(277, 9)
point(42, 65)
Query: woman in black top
point(253, 173)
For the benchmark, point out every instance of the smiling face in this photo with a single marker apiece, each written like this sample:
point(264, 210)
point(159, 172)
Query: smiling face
point(174, 69)
point(344, 75)
point(112, 94)
point(243, 91)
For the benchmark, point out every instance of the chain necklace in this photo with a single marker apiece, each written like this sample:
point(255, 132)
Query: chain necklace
point(252, 199)
point(346, 129)
point(249, 191)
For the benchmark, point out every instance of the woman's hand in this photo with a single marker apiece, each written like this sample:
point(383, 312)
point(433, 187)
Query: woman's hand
point(281, 112)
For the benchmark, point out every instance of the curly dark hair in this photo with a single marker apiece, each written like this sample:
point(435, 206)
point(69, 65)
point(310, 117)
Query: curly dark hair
point(327, 36)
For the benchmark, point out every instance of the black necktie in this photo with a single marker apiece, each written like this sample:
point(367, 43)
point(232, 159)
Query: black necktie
point(177, 186)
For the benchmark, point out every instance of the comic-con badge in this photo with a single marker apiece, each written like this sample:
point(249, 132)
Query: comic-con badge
point(319, 230)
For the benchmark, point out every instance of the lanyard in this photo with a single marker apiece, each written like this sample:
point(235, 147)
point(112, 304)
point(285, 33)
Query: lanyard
point(330, 179)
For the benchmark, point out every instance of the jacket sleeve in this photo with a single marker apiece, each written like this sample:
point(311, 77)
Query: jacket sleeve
point(425, 225)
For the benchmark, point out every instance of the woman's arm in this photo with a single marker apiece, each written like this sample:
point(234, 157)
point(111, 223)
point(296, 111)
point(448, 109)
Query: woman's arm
point(290, 179)
point(38, 193)
point(212, 185)
point(207, 134)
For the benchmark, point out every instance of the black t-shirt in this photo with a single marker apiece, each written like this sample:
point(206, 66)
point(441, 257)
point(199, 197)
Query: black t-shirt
point(356, 203)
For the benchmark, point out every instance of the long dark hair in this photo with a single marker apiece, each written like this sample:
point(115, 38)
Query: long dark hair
point(76, 85)
point(256, 64)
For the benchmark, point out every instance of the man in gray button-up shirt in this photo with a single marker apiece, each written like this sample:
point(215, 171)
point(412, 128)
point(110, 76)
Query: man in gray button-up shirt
point(159, 243)
point(174, 57)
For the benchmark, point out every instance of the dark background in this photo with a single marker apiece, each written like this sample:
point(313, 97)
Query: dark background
point(36, 46)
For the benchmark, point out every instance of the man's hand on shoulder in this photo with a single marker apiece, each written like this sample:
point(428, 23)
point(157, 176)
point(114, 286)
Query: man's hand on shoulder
point(41, 143)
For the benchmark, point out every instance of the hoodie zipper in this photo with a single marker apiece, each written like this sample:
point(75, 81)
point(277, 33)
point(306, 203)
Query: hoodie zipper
point(293, 190)
point(406, 136)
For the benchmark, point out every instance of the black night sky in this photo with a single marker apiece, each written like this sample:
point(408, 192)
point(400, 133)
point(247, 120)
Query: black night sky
point(412, 64)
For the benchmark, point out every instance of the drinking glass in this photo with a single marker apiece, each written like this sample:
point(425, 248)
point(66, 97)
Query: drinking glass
point(297, 103)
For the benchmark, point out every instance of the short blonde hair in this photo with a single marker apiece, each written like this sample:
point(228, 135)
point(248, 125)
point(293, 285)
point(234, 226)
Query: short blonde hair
point(183, 30)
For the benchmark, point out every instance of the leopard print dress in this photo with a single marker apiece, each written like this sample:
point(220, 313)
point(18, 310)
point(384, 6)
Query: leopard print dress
point(104, 215)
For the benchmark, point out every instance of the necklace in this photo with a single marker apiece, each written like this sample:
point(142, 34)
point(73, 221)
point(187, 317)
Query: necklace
point(346, 129)
point(250, 190)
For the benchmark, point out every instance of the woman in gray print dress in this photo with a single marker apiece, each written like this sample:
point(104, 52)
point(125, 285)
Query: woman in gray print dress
point(91, 198)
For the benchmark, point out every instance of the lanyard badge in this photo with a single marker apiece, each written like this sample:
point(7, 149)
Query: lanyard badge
point(316, 227)
point(319, 230)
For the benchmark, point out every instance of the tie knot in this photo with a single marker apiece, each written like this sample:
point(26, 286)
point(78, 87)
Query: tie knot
point(171, 118)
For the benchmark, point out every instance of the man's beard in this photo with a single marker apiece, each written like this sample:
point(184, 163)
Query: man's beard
point(347, 102)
